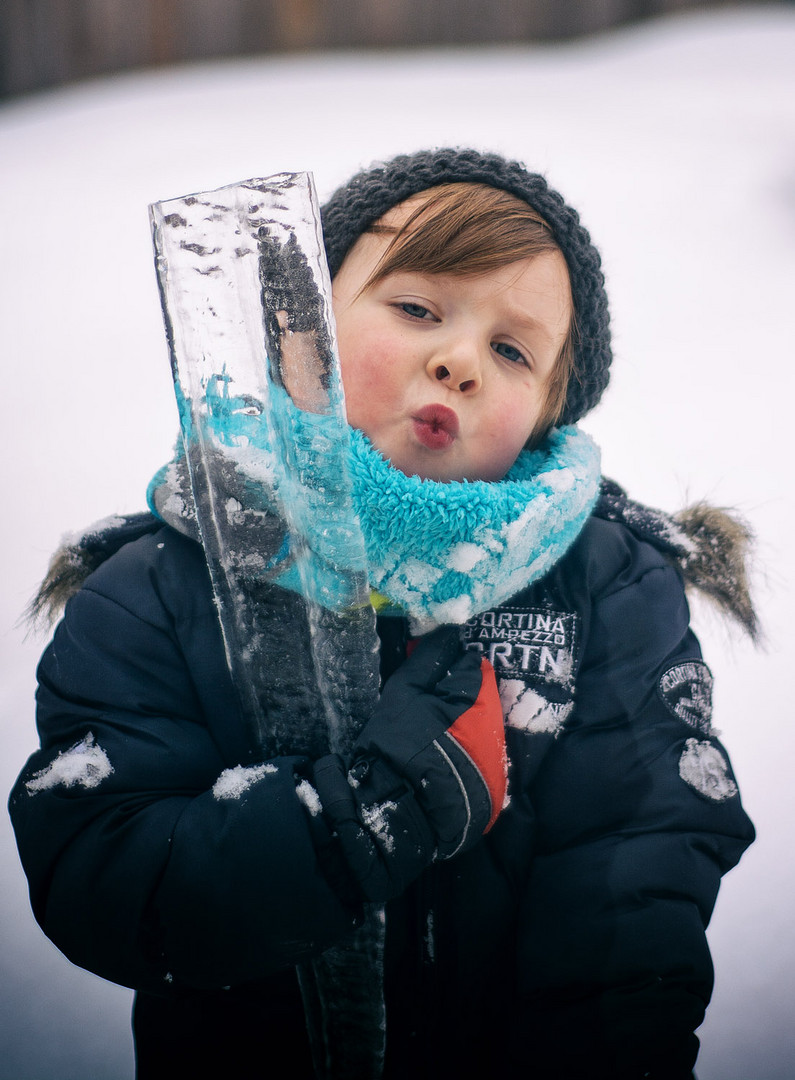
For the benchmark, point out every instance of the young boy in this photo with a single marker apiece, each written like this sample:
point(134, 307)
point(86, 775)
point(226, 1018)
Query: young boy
point(553, 930)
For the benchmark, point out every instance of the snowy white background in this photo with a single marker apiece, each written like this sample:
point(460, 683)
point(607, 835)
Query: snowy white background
point(674, 139)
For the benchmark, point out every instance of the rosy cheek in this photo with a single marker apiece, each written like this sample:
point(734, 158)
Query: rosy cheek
point(365, 366)
point(517, 419)
point(359, 382)
point(363, 385)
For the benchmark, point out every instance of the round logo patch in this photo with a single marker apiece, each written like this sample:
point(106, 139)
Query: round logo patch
point(706, 770)
point(686, 689)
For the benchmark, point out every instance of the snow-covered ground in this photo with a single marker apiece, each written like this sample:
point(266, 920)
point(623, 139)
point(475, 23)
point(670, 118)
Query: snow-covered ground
point(675, 139)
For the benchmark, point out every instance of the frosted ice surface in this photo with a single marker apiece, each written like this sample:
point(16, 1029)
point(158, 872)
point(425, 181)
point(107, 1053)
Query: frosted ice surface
point(177, 507)
point(265, 434)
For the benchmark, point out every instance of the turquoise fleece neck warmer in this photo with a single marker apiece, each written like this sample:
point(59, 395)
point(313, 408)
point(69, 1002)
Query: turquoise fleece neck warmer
point(441, 552)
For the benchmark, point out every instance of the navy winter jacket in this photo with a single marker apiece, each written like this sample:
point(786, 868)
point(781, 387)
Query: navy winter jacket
point(568, 943)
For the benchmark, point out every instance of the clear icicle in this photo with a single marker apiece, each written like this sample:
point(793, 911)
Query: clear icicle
point(246, 301)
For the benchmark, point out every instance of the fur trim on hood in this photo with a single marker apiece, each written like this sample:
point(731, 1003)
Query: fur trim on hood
point(712, 547)
point(78, 556)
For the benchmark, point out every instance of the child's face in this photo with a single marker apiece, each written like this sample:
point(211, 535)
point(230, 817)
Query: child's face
point(447, 375)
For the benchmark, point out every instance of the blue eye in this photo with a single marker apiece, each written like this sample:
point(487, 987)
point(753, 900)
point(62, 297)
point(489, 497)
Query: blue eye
point(417, 311)
point(508, 352)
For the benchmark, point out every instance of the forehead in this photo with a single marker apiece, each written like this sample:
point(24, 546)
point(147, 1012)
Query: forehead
point(360, 264)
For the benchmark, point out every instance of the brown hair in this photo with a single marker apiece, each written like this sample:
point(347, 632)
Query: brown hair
point(467, 228)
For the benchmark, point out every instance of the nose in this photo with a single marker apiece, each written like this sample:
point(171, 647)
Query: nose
point(458, 367)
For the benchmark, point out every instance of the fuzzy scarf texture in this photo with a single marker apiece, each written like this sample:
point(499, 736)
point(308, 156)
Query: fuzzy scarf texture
point(443, 552)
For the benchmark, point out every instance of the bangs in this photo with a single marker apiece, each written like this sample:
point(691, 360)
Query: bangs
point(462, 229)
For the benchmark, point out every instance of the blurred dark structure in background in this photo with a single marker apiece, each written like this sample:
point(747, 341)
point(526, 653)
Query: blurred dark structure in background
point(50, 42)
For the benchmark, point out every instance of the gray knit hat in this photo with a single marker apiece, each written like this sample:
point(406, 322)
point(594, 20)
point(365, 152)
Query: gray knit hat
point(356, 205)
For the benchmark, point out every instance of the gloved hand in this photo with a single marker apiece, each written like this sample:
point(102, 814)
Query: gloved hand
point(299, 346)
point(288, 285)
point(429, 769)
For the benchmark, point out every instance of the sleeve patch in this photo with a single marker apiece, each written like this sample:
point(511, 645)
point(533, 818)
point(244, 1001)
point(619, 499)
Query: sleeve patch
point(706, 770)
point(686, 691)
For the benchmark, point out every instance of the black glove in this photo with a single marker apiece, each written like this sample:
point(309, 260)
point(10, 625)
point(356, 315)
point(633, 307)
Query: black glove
point(428, 770)
point(297, 338)
point(288, 285)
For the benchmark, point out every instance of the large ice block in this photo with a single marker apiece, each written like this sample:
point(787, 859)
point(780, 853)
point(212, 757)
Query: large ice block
point(246, 302)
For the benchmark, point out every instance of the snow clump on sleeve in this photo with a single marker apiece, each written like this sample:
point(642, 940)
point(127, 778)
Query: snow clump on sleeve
point(232, 783)
point(309, 797)
point(85, 764)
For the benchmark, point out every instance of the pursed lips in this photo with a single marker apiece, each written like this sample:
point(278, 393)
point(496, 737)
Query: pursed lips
point(436, 426)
